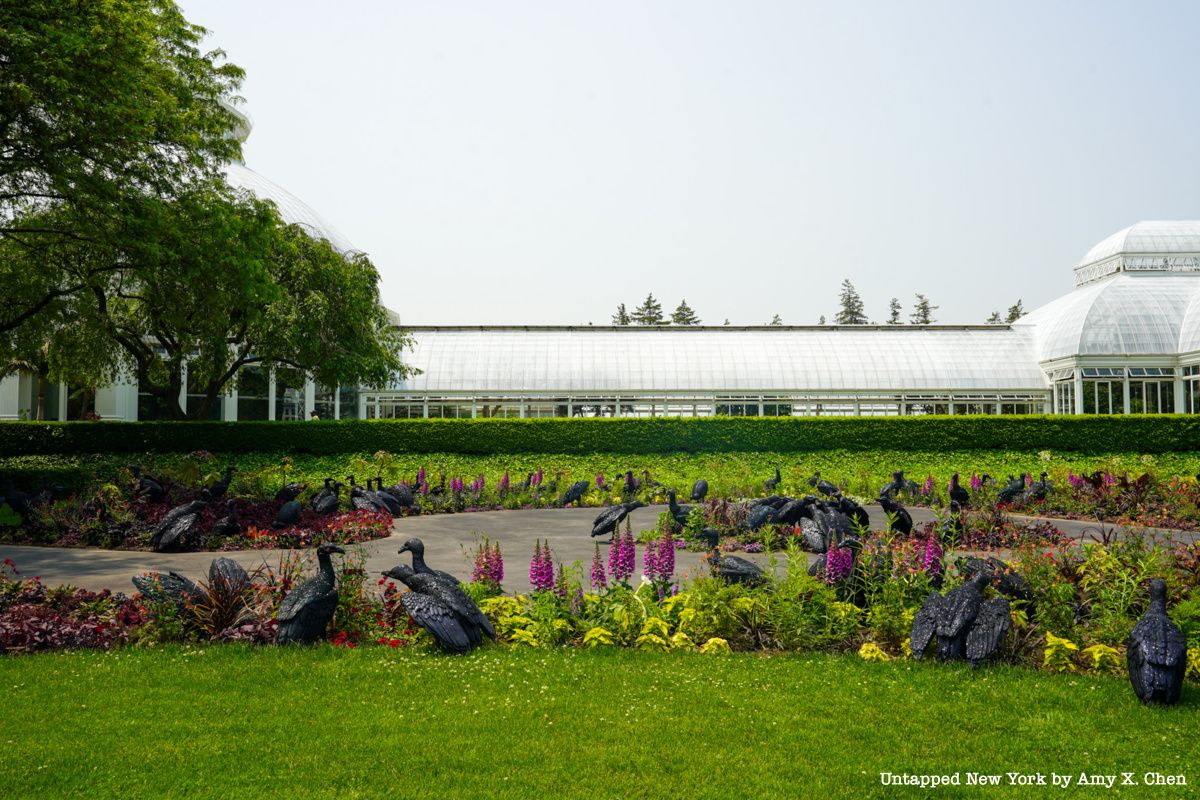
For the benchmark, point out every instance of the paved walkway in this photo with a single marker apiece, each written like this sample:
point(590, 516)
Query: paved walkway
point(449, 539)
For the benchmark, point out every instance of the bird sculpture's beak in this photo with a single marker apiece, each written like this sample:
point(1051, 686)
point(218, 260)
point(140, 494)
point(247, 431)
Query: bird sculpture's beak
point(403, 549)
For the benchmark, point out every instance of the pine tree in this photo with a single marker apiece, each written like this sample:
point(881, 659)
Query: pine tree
point(621, 317)
point(821, 321)
point(922, 313)
point(1015, 312)
point(649, 312)
point(776, 320)
point(994, 319)
point(852, 311)
point(894, 312)
point(684, 315)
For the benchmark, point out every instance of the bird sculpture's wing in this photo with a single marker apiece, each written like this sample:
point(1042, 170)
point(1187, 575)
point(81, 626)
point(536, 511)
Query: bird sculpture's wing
point(988, 631)
point(925, 624)
point(433, 615)
point(447, 589)
point(959, 610)
point(818, 566)
point(607, 520)
point(811, 532)
point(308, 593)
point(229, 572)
point(1160, 642)
point(175, 534)
point(169, 586)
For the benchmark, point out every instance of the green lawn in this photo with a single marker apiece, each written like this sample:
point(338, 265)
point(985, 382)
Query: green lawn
point(232, 721)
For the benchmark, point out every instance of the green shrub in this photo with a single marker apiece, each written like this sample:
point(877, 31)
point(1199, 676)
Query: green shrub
point(1086, 434)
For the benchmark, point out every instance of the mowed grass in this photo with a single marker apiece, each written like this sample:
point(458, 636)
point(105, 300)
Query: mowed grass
point(235, 721)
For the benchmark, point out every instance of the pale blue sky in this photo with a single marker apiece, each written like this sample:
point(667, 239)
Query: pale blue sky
point(522, 162)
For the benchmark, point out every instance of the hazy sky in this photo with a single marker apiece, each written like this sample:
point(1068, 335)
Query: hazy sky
point(521, 162)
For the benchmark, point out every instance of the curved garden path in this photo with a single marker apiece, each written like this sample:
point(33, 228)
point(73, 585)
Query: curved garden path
point(449, 543)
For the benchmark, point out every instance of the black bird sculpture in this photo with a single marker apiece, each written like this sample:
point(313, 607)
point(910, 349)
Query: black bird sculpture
point(326, 504)
point(293, 490)
point(17, 500)
point(147, 487)
point(317, 499)
point(823, 486)
point(1006, 580)
point(1156, 652)
point(857, 514)
point(180, 527)
point(385, 498)
point(453, 630)
point(171, 586)
point(791, 512)
point(898, 484)
point(1012, 490)
point(574, 493)
point(1038, 490)
point(305, 614)
point(770, 483)
point(731, 569)
point(227, 525)
point(957, 493)
point(899, 520)
point(964, 624)
point(288, 515)
point(632, 484)
point(363, 499)
point(218, 489)
point(606, 521)
point(760, 516)
point(417, 548)
point(648, 482)
point(401, 491)
point(699, 490)
point(952, 527)
point(678, 513)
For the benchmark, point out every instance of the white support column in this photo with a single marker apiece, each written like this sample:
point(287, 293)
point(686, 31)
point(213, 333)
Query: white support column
point(337, 402)
point(230, 412)
point(10, 397)
point(1179, 398)
point(1078, 391)
point(271, 394)
point(950, 405)
point(183, 375)
point(1125, 393)
point(62, 402)
point(425, 407)
point(362, 406)
point(310, 398)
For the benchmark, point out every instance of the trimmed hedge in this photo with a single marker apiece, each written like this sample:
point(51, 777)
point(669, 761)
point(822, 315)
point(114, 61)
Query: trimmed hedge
point(1084, 434)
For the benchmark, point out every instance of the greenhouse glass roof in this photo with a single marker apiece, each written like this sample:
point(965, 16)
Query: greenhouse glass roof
point(721, 359)
point(291, 208)
point(1125, 314)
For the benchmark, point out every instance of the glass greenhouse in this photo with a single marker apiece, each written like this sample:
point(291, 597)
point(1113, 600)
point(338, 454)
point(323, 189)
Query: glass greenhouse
point(1126, 340)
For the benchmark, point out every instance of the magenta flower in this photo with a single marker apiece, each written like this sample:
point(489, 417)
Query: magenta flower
point(931, 563)
point(599, 580)
point(976, 483)
point(599, 480)
point(537, 478)
point(621, 557)
point(424, 488)
point(421, 475)
point(496, 565)
point(839, 563)
point(504, 484)
point(927, 489)
point(666, 557)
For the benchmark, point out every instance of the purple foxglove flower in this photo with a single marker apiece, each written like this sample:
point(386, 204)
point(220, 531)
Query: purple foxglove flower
point(424, 488)
point(839, 563)
point(421, 475)
point(927, 489)
point(931, 563)
point(599, 480)
point(504, 484)
point(976, 483)
point(496, 565)
point(599, 581)
point(666, 557)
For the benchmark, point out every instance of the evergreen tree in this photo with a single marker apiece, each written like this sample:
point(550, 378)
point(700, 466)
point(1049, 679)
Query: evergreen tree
point(1015, 312)
point(684, 315)
point(852, 311)
point(894, 312)
point(994, 319)
point(727, 320)
point(776, 320)
point(621, 317)
point(922, 313)
point(649, 312)
point(821, 321)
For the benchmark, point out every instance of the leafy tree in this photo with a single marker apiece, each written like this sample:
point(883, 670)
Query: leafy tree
point(922, 313)
point(727, 320)
point(621, 317)
point(994, 319)
point(100, 100)
point(216, 281)
point(776, 320)
point(684, 315)
point(649, 312)
point(894, 312)
point(852, 311)
point(1015, 312)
